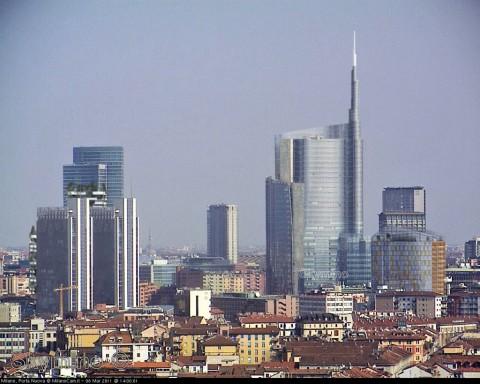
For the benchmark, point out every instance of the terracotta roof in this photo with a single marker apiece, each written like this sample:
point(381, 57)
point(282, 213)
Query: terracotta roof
point(219, 340)
point(277, 365)
point(362, 373)
point(457, 320)
point(190, 360)
point(115, 337)
point(360, 353)
point(394, 335)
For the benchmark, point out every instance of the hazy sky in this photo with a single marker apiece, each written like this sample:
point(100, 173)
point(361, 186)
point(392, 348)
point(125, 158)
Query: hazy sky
point(195, 92)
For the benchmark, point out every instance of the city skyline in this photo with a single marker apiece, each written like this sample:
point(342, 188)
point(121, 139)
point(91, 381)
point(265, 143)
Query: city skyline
point(195, 92)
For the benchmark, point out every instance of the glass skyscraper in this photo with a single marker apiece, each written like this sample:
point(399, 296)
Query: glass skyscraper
point(95, 168)
point(328, 163)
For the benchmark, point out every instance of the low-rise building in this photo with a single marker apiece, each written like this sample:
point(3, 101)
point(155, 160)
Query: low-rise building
point(419, 303)
point(256, 345)
point(220, 350)
point(326, 326)
point(285, 324)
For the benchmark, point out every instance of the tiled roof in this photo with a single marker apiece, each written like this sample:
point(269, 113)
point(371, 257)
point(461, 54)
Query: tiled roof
point(360, 353)
point(219, 340)
point(362, 373)
point(115, 337)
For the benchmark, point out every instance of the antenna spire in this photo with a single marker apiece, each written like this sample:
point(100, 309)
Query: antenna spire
point(354, 52)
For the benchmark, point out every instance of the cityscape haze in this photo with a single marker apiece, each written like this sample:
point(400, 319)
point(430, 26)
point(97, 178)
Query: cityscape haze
point(195, 92)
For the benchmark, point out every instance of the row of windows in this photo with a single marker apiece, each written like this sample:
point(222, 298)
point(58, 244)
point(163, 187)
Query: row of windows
point(249, 352)
point(249, 344)
point(249, 337)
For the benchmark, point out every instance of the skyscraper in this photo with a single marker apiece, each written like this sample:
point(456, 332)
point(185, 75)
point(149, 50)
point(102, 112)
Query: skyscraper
point(91, 248)
point(222, 231)
point(95, 168)
point(405, 255)
point(89, 245)
point(327, 164)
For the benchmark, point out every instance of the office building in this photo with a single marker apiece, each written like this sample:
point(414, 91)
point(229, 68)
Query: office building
point(159, 272)
point(222, 232)
point(404, 207)
point(314, 206)
point(405, 255)
point(95, 168)
point(89, 251)
point(472, 249)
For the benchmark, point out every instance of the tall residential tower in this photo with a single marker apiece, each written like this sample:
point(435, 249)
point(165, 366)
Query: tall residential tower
point(222, 231)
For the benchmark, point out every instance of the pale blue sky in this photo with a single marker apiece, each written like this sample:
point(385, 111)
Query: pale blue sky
point(195, 92)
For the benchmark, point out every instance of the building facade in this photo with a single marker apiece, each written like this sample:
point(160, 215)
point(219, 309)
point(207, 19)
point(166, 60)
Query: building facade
point(88, 250)
point(408, 259)
point(327, 163)
point(472, 249)
point(404, 207)
point(222, 231)
point(405, 255)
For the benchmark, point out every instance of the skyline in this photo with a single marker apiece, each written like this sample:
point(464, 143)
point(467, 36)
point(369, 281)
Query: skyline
point(195, 92)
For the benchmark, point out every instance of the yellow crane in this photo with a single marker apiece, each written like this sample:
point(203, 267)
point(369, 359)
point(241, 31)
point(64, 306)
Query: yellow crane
point(60, 290)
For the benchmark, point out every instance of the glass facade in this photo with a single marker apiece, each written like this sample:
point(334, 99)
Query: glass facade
point(328, 162)
point(95, 167)
point(284, 236)
point(403, 258)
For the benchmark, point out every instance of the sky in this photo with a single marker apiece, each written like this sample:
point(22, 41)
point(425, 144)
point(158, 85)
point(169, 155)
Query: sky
point(195, 92)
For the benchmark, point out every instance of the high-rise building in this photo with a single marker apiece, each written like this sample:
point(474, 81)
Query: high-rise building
point(222, 231)
point(127, 237)
point(95, 168)
point(404, 207)
point(88, 250)
point(32, 261)
point(314, 206)
point(404, 254)
point(472, 249)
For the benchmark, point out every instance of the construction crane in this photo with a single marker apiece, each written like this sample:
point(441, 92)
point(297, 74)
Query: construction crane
point(60, 290)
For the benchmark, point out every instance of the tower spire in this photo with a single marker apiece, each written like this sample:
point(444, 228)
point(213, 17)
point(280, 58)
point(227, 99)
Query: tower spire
point(354, 52)
point(353, 116)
